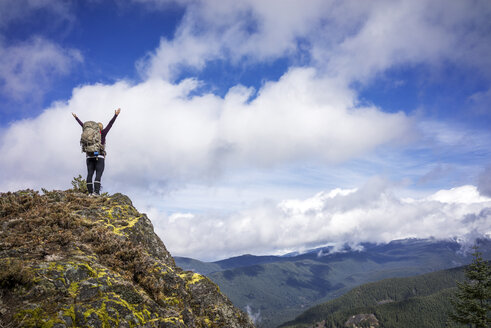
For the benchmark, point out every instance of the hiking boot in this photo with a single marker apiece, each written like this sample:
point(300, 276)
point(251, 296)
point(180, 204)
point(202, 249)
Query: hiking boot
point(90, 188)
point(97, 187)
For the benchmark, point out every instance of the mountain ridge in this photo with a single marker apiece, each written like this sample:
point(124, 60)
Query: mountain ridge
point(279, 288)
point(251, 259)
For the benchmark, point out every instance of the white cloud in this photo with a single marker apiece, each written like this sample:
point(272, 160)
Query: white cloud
point(39, 152)
point(27, 68)
point(392, 33)
point(464, 195)
point(351, 40)
point(370, 214)
point(385, 34)
point(233, 30)
point(175, 138)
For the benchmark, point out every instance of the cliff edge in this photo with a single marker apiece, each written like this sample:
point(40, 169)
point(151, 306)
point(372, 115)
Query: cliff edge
point(70, 260)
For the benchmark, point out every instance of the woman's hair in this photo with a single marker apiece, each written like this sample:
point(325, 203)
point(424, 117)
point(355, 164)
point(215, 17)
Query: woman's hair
point(100, 125)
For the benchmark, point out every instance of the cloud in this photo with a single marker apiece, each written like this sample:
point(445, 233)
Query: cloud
point(254, 316)
point(23, 10)
point(484, 182)
point(372, 213)
point(386, 35)
point(177, 138)
point(43, 152)
point(348, 40)
point(235, 30)
point(28, 68)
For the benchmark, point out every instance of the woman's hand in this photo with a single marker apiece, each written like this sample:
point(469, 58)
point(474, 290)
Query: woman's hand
point(117, 111)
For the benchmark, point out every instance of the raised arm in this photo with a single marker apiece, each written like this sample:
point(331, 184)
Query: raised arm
point(110, 124)
point(78, 120)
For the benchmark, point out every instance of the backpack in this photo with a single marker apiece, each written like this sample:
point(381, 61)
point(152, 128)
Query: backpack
point(91, 138)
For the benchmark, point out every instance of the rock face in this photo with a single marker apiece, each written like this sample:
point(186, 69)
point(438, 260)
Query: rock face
point(69, 260)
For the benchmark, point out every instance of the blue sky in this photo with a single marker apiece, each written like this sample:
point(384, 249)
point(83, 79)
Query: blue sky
point(270, 126)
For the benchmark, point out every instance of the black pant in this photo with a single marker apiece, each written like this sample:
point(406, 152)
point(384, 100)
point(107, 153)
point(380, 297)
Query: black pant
point(94, 165)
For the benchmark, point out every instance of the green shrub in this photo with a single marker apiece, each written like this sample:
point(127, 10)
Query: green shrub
point(79, 184)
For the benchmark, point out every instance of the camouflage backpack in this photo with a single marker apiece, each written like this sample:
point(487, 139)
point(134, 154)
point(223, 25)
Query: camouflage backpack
point(91, 138)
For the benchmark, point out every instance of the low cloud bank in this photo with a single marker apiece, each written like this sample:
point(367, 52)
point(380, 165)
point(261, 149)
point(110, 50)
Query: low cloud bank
point(372, 213)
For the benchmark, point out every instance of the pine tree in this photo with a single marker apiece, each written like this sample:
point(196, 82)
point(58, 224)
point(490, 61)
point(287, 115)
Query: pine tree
point(472, 302)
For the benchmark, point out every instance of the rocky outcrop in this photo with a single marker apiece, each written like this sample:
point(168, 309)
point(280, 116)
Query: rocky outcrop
point(362, 320)
point(69, 260)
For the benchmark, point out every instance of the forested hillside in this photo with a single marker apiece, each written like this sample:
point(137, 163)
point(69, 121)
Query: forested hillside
point(413, 302)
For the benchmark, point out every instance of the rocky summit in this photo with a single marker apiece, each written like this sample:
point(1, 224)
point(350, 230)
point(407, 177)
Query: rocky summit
point(70, 260)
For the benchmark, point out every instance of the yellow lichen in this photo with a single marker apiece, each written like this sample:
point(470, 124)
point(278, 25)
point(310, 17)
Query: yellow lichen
point(93, 272)
point(107, 320)
point(35, 318)
point(142, 317)
point(139, 314)
point(207, 321)
point(70, 312)
point(162, 268)
point(171, 300)
point(73, 289)
point(173, 320)
point(56, 266)
point(191, 278)
point(131, 217)
point(103, 315)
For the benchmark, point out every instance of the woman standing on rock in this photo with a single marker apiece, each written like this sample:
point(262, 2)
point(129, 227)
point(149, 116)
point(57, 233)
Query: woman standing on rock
point(93, 142)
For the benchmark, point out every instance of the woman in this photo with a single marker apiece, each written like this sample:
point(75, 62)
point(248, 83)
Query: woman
point(95, 162)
